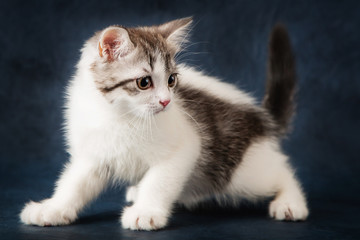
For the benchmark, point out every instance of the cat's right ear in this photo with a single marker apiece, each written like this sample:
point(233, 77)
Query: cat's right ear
point(114, 43)
point(176, 32)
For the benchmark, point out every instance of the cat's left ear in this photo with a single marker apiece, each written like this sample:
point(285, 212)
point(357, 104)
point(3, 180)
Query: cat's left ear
point(176, 32)
point(115, 43)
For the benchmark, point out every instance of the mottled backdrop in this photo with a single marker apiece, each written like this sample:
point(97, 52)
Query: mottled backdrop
point(39, 47)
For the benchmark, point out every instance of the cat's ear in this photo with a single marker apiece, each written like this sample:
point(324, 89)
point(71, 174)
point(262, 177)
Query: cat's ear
point(114, 43)
point(176, 32)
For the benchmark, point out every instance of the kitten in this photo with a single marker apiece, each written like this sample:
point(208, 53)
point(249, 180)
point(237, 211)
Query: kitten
point(176, 135)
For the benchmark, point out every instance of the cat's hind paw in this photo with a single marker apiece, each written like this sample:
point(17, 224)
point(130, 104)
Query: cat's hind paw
point(46, 214)
point(135, 218)
point(288, 211)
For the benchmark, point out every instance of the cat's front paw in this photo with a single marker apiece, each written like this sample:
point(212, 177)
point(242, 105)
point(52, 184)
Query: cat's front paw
point(136, 218)
point(46, 214)
point(287, 210)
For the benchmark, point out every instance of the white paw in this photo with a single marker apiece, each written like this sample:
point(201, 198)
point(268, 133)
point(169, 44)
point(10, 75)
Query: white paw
point(135, 218)
point(46, 214)
point(131, 194)
point(288, 210)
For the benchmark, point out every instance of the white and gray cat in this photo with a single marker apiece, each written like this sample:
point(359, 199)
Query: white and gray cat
point(176, 135)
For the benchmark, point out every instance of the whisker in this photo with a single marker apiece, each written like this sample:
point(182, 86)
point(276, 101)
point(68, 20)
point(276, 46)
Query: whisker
point(128, 112)
point(183, 56)
point(199, 103)
point(198, 125)
point(143, 132)
point(150, 124)
point(156, 126)
point(186, 48)
point(146, 116)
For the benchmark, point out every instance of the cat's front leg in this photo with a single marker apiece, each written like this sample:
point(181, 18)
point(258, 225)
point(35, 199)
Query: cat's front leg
point(157, 192)
point(131, 194)
point(80, 183)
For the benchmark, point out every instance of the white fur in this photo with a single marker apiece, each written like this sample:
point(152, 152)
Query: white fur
point(105, 144)
point(265, 172)
point(155, 153)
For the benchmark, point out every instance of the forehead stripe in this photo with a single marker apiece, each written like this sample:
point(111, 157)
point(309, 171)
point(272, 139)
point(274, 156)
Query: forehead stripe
point(120, 84)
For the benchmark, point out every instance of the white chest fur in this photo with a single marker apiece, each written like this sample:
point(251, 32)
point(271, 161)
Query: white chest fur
point(121, 141)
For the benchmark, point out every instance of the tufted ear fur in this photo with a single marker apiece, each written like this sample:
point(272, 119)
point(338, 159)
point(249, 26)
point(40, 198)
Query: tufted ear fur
point(114, 43)
point(176, 32)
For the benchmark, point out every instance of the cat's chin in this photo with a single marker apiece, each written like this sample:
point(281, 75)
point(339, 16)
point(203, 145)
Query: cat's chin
point(157, 111)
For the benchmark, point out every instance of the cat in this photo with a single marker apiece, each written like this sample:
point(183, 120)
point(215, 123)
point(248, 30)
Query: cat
point(177, 136)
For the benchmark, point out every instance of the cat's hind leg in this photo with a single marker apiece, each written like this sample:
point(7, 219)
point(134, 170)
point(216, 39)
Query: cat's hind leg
point(78, 185)
point(264, 172)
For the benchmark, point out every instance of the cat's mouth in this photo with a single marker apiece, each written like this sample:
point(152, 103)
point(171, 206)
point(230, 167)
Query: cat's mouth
point(158, 110)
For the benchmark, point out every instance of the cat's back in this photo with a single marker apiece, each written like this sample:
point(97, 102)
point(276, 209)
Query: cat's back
point(196, 81)
point(227, 120)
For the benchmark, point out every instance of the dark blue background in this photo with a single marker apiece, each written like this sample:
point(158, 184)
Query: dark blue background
point(39, 47)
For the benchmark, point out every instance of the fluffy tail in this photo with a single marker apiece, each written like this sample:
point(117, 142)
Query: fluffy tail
point(281, 80)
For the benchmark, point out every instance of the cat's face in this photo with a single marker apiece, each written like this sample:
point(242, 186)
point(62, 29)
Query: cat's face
point(135, 70)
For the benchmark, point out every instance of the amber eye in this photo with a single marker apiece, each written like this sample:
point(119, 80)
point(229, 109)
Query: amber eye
point(172, 80)
point(144, 82)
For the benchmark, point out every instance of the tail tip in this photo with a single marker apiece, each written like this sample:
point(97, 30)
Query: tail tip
point(279, 41)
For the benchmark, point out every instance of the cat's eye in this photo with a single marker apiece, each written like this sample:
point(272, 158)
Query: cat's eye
point(144, 83)
point(172, 80)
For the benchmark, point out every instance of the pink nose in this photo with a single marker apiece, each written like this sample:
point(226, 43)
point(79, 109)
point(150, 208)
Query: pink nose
point(164, 103)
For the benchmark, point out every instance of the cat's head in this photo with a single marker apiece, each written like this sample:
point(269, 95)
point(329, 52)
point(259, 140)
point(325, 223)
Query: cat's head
point(135, 68)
